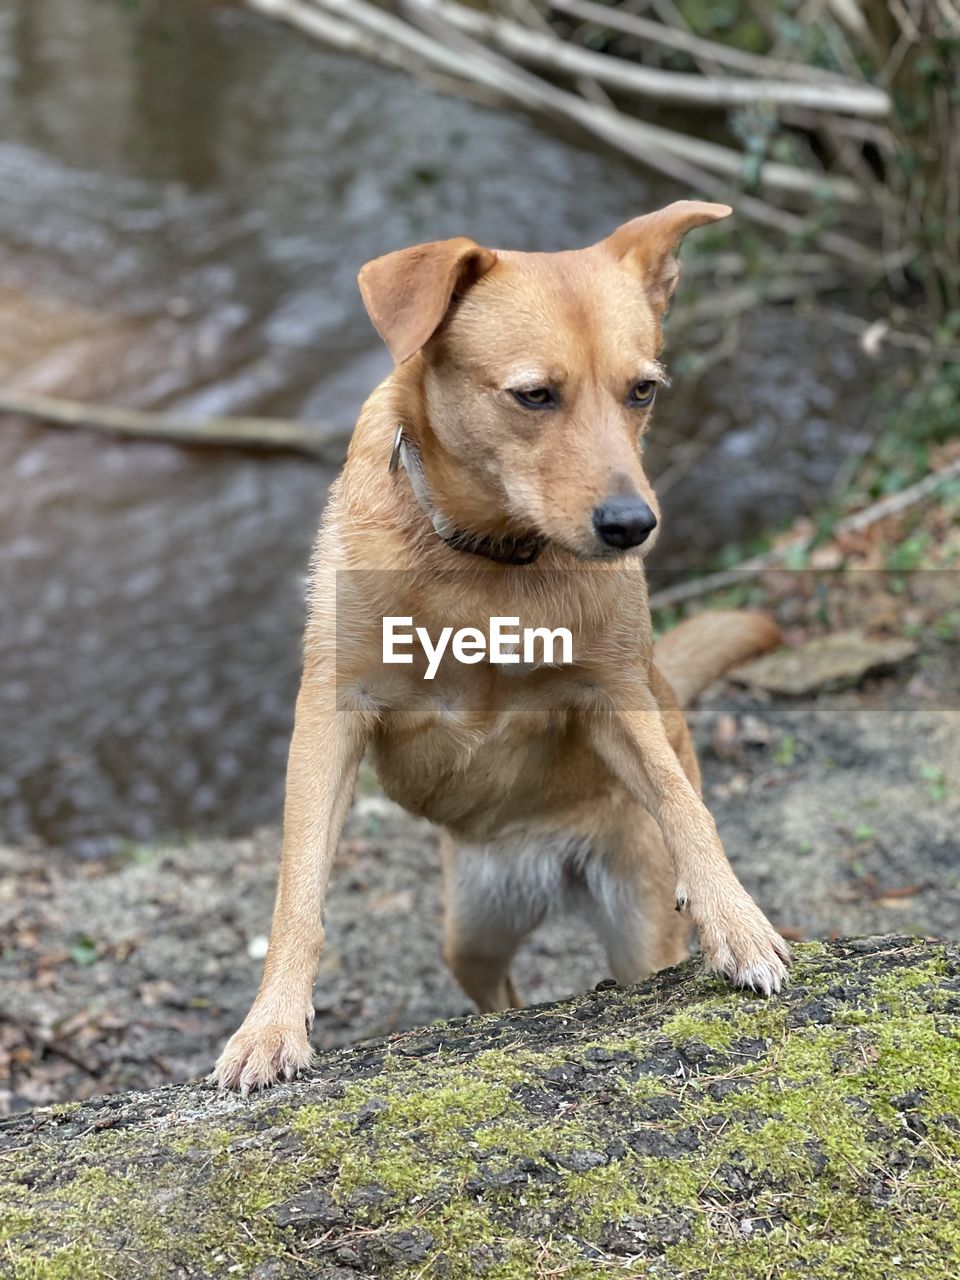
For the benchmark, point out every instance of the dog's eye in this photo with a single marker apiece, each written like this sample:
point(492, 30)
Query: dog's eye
point(642, 393)
point(534, 397)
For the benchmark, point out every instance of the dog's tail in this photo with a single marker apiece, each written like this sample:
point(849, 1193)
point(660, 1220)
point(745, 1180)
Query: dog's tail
point(701, 649)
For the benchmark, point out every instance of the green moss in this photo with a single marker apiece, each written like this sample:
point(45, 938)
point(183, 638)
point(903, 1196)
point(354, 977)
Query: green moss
point(810, 1135)
point(442, 1113)
point(512, 1067)
point(715, 1032)
point(14, 1223)
point(896, 987)
point(601, 1196)
point(62, 1108)
point(79, 1260)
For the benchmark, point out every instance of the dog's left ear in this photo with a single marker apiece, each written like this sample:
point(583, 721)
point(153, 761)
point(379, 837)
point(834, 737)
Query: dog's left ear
point(648, 243)
point(408, 293)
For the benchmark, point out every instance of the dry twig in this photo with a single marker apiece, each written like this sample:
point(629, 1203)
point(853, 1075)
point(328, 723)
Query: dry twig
point(539, 49)
point(892, 505)
point(269, 434)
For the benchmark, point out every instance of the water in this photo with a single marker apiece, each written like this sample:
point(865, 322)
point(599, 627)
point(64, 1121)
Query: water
point(185, 199)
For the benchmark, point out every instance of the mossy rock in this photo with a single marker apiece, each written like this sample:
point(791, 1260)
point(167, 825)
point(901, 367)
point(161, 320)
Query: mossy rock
point(673, 1129)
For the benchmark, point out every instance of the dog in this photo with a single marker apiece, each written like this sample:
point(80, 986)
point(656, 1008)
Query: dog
point(498, 472)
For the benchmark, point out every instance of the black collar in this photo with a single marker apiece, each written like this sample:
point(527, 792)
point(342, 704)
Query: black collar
point(500, 550)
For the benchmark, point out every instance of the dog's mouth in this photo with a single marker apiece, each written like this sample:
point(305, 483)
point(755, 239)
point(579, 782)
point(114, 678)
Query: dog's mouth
point(597, 552)
point(609, 554)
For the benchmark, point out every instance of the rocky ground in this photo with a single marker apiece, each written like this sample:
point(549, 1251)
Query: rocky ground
point(840, 811)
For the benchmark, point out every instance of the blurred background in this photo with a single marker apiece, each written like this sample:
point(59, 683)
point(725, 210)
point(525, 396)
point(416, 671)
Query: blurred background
point(187, 192)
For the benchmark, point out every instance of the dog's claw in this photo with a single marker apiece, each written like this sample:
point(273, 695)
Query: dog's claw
point(747, 950)
point(258, 1056)
point(766, 979)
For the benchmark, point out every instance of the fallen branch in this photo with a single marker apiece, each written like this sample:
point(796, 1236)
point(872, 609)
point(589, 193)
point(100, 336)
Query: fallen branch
point(558, 1140)
point(874, 334)
point(638, 138)
point(896, 503)
point(549, 52)
point(464, 65)
point(392, 36)
point(344, 36)
point(246, 433)
point(621, 20)
point(893, 505)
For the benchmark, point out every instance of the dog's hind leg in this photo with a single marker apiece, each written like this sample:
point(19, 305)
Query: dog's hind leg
point(493, 902)
point(627, 899)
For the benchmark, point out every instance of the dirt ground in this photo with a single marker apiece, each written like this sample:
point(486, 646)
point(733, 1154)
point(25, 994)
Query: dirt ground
point(841, 813)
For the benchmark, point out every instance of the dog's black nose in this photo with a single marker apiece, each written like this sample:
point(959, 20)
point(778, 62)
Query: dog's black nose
point(623, 522)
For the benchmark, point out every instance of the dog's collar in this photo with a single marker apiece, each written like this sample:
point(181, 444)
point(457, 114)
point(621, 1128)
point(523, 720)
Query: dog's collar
point(502, 550)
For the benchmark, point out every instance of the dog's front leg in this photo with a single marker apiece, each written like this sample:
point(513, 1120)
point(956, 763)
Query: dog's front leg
point(273, 1042)
point(736, 938)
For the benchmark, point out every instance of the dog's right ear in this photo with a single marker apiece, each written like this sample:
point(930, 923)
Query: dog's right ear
point(408, 293)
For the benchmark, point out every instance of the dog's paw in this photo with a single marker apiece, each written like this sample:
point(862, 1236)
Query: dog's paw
point(744, 947)
point(260, 1054)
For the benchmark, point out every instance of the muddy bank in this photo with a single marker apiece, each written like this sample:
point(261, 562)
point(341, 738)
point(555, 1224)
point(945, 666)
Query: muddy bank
point(675, 1127)
point(841, 814)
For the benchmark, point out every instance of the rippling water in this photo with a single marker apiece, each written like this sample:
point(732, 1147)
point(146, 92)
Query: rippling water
point(185, 199)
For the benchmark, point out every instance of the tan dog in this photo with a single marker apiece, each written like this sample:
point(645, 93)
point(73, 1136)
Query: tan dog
point(523, 386)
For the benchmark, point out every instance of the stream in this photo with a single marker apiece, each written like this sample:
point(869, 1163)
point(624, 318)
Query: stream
point(186, 195)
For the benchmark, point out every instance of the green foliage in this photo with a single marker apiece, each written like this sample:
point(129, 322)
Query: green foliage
point(786, 750)
point(936, 780)
point(84, 952)
point(728, 21)
point(920, 410)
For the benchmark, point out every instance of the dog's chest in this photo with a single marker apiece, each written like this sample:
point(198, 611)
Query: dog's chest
point(467, 770)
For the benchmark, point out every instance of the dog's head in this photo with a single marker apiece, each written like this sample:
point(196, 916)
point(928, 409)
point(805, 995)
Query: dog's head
point(538, 374)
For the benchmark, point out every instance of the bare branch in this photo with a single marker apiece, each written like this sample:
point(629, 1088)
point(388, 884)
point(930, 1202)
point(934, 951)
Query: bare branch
point(244, 433)
point(542, 50)
point(892, 505)
point(617, 19)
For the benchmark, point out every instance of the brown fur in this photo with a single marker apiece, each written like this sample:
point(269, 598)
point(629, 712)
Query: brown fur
point(580, 785)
